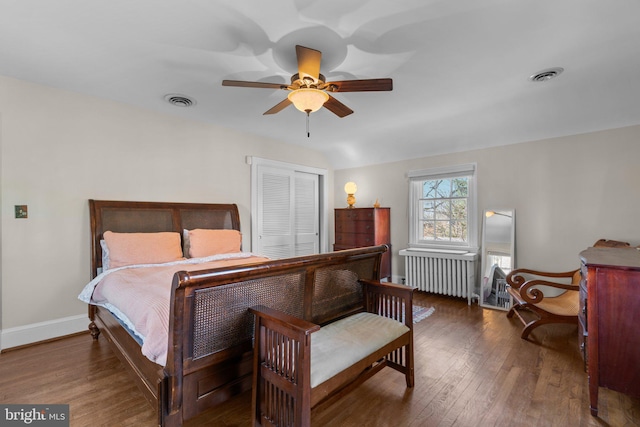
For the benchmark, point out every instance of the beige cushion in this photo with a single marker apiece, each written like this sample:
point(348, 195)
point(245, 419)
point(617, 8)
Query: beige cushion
point(340, 344)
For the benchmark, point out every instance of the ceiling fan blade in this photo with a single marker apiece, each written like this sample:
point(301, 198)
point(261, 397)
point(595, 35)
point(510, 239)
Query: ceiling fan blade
point(337, 107)
point(278, 107)
point(240, 83)
point(367, 85)
point(308, 62)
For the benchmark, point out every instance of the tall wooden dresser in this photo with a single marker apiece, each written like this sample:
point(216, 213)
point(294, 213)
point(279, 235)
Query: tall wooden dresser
point(359, 227)
point(608, 320)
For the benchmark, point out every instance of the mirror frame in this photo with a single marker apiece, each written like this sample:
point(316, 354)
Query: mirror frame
point(497, 297)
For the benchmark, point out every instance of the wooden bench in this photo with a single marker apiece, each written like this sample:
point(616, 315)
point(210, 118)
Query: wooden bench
point(299, 365)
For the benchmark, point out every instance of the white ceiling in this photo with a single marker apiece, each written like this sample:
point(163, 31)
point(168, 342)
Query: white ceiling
point(460, 68)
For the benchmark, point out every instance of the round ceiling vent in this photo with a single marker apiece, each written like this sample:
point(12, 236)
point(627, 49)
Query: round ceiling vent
point(547, 74)
point(179, 100)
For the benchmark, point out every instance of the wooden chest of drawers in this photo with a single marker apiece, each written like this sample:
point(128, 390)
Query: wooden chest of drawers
point(360, 227)
point(608, 320)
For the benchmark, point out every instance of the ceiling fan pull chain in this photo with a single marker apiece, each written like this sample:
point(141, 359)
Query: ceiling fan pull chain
point(308, 133)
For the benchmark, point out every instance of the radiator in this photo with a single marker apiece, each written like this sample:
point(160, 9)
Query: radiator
point(441, 272)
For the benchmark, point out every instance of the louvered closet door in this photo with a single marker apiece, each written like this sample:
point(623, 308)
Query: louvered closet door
point(288, 213)
point(307, 215)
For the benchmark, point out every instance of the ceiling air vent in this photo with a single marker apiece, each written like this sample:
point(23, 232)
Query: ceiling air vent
point(179, 100)
point(547, 74)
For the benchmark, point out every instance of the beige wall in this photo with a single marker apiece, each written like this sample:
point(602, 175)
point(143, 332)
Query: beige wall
point(567, 192)
point(59, 149)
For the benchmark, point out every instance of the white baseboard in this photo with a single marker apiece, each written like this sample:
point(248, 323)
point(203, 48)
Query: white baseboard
point(28, 334)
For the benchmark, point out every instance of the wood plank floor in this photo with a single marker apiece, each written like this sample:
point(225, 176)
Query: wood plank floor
point(472, 369)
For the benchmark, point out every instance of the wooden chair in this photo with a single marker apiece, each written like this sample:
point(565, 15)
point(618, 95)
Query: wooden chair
point(533, 308)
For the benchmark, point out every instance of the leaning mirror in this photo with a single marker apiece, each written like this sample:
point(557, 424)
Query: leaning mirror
point(498, 257)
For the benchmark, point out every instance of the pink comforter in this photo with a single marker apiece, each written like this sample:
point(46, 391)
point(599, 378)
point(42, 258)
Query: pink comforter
point(142, 294)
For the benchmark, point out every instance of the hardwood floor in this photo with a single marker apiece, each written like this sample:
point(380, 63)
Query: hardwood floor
point(472, 369)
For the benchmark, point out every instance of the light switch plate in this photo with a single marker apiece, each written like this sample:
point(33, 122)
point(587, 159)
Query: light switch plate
point(21, 211)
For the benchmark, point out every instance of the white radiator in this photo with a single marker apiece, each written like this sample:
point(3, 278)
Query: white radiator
point(441, 272)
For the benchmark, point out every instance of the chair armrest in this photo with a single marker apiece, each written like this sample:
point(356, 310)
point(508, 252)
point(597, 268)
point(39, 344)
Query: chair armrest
point(389, 300)
point(281, 356)
point(528, 288)
point(532, 294)
point(284, 320)
point(390, 288)
point(517, 278)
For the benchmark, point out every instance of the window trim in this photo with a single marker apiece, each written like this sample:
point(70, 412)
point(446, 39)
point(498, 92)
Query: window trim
point(416, 176)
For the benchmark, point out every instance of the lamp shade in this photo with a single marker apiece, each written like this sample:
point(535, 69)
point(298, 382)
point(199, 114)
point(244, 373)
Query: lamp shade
point(308, 100)
point(350, 188)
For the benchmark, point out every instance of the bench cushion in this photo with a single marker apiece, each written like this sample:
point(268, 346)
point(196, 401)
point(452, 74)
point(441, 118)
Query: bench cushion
point(340, 344)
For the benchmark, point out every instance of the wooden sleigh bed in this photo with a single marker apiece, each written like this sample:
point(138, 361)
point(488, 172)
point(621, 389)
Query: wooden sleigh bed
point(209, 353)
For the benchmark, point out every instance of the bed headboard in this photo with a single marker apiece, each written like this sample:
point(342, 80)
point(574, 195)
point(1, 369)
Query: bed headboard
point(149, 217)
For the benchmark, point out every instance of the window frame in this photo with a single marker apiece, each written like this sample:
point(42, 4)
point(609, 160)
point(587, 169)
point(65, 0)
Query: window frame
point(416, 178)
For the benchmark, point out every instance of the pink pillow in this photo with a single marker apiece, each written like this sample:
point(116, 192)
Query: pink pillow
point(142, 248)
point(203, 243)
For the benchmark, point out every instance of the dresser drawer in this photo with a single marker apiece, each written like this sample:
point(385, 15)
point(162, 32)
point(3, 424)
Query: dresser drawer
point(582, 318)
point(365, 227)
point(582, 342)
point(582, 312)
point(355, 239)
point(354, 215)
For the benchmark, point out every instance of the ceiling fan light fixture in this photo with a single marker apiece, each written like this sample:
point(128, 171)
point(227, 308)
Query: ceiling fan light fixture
point(308, 100)
point(308, 88)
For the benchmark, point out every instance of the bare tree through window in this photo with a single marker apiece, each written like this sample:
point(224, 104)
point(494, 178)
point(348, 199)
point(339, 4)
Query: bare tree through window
point(444, 210)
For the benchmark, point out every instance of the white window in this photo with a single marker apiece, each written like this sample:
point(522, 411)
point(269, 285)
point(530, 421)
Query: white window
point(442, 208)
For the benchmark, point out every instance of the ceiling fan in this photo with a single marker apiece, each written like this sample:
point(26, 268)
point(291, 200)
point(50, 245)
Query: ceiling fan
point(309, 91)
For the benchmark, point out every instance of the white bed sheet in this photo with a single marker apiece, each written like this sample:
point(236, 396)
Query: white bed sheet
point(139, 295)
